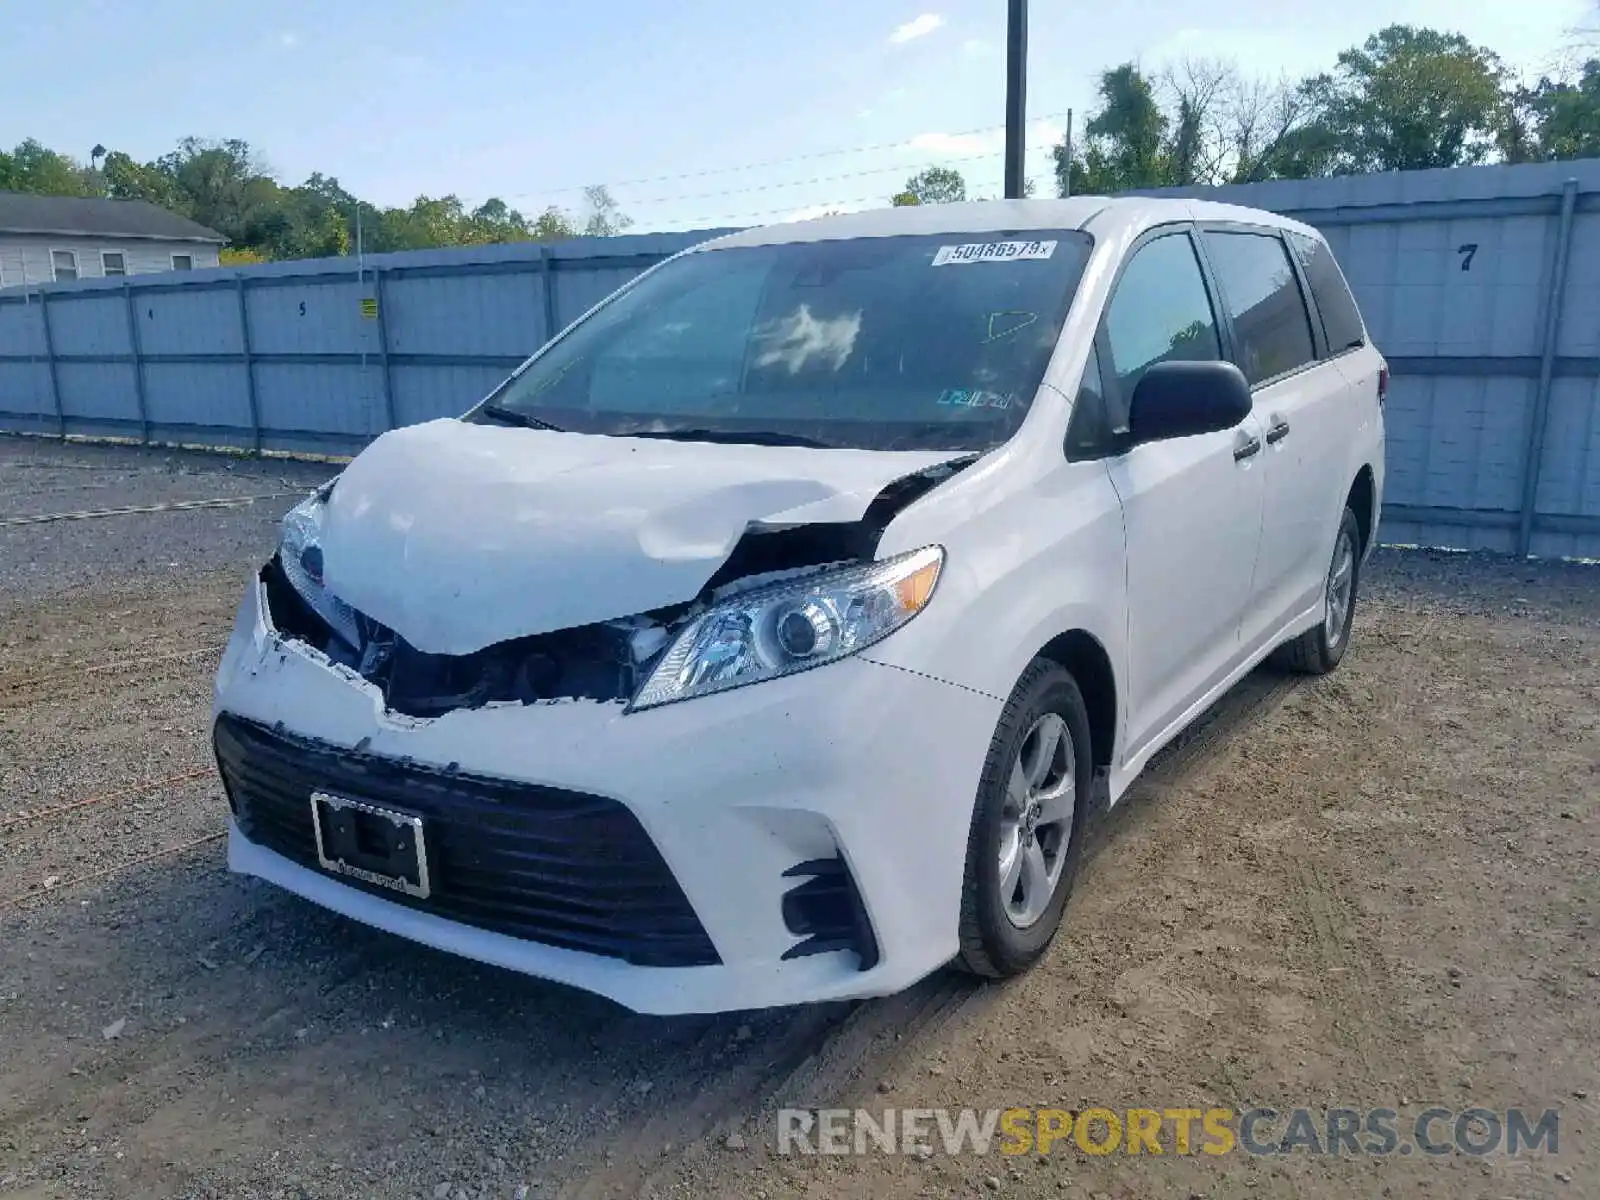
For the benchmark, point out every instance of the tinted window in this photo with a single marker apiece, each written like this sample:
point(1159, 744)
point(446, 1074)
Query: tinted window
point(1341, 320)
point(1262, 296)
point(1159, 313)
point(875, 343)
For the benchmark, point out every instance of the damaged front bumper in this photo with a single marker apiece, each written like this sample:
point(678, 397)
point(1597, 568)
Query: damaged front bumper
point(813, 826)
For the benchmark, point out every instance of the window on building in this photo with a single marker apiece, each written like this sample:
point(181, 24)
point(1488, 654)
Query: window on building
point(113, 262)
point(1341, 321)
point(1159, 313)
point(1271, 325)
point(64, 264)
point(183, 262)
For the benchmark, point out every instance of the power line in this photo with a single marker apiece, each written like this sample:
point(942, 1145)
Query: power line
point(880, 200)
point(910, 169)
point(772, 162)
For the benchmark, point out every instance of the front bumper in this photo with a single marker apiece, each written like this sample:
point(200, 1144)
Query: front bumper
point(870, 764)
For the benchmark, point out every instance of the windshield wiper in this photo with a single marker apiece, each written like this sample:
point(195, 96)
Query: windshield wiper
point(512, 417)
point(748, 437)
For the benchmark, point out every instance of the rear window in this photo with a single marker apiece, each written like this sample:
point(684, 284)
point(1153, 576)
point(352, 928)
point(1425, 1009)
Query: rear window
point(1341, 320)
point(886, 343)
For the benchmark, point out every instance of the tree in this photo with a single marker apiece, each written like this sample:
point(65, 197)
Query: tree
point(1557, 119)
point(936, 185)
point(129, 180)
point(30, 167)
point(1271, 133)
point(224, 183)
point(552, 225)
point(1407, 99)
point(1126, 142)
point(604, 218)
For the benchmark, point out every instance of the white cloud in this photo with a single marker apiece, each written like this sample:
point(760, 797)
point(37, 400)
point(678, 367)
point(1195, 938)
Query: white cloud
point(916, 27)
point(958, 143)
point(288, 40)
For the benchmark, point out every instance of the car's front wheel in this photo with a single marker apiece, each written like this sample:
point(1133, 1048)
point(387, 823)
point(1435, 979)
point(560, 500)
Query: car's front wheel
point(1319, 649)
point(1027, 824)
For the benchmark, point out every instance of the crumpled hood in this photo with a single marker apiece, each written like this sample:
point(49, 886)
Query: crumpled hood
point(458, 536)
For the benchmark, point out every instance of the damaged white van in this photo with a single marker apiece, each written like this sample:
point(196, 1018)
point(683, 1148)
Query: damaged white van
point(770, 635)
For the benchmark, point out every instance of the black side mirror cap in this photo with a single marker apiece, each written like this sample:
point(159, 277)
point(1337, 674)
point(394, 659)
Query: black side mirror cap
point(1181, 399)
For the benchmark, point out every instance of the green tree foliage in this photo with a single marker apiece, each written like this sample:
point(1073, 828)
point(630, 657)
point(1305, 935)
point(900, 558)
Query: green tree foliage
point(936, 185)
point(224, 184)
point(1404, 99)
point(1554, 120)
point(32, 168)
point(1410, 98)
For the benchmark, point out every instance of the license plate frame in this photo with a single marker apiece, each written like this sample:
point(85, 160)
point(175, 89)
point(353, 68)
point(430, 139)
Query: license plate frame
point(402, 843)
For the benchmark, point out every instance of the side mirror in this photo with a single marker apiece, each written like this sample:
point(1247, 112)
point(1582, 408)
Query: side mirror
point(1181, 399)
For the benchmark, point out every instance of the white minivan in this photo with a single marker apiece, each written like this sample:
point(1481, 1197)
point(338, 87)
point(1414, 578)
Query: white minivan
point(771, 634)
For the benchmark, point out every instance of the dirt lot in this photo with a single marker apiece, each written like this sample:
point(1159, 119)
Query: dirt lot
point(1376, 889)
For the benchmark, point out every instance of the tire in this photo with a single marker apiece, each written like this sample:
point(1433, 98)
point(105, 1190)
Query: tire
point(1320, 649)
point(1002, 935)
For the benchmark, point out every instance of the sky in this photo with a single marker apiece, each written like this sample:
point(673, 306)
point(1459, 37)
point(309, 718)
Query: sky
point(696, 113)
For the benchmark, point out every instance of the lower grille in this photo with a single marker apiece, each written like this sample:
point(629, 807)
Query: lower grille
point(553, 866)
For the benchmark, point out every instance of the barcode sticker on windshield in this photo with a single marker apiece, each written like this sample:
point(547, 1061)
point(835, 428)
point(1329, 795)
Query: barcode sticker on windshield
point(992, 252)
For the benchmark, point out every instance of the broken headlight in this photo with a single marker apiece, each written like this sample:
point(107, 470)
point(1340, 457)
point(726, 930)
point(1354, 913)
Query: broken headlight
point(769, 632)
point(300, 554)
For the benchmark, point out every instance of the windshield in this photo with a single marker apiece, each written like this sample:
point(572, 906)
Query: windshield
point(873, 343)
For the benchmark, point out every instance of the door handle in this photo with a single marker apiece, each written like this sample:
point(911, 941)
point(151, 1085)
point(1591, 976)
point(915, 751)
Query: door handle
point(1242, 452)
point(1278, 432)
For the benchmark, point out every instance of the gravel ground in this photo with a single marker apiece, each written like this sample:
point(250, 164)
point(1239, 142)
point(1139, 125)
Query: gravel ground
point(1379, 888)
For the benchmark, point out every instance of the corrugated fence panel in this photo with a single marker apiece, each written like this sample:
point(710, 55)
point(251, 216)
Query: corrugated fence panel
point(424, 393)
point(578, 291)
point(93, 324)
point(193, 398)
point(98, 393)
point(188, 321)
point(21, 329)
point(319, 316)
point(25, 404)
point(466, 314)
point(343, 399)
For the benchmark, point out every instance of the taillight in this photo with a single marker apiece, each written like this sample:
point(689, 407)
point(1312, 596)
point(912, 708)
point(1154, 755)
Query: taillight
point(1383, 384)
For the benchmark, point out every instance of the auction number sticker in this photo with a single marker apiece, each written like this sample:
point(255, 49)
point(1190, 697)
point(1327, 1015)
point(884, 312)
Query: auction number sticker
point(973, 252)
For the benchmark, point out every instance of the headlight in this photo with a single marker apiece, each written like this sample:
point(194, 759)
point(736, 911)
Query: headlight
point(300, 552)
point(791, 627)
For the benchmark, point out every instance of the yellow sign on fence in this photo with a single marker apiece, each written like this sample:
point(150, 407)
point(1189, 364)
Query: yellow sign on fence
point(369, 307)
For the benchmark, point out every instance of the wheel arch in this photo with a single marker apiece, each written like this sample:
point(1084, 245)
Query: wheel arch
point(1082, 655)
point(1362, 499)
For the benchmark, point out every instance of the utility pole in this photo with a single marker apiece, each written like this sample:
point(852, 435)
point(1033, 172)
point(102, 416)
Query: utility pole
point(1066, 178)
point(1016, 97)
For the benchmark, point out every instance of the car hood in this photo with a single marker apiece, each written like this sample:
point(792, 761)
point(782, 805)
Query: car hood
point(458, 535)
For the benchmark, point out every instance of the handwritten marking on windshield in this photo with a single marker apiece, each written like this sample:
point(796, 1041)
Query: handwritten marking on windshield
point(1007, 324)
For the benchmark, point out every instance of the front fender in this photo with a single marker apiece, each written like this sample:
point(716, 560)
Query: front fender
point(1041, 561)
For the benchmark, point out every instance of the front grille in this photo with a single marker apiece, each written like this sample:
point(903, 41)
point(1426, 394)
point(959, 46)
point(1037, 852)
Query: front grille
point(549, 865)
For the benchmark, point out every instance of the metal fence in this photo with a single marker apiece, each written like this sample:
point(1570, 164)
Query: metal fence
point(1481, 285)
point(317, 356)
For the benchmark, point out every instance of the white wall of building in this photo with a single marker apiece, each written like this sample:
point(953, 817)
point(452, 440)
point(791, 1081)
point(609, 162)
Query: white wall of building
point(30, 258)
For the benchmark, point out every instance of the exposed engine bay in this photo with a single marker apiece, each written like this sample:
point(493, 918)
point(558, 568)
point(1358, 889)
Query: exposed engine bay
point(603, 662)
